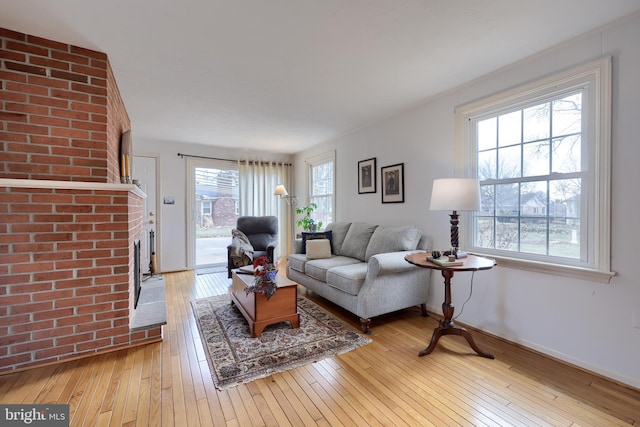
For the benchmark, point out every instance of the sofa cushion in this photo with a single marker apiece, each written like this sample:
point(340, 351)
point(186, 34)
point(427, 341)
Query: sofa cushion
point(338, 232)
point(318, 249)
point(393, 239)
point(297, 262)
point(317, 268)
point(306, 236)
point(347, 278)
point(357, 239)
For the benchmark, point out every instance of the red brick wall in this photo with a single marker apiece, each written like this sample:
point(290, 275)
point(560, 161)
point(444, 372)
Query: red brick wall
point(65, 273)
point(117, 123)
point(66, 255)
point(55, 121)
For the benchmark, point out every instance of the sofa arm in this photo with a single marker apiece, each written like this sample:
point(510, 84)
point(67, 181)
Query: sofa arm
point(389, 263)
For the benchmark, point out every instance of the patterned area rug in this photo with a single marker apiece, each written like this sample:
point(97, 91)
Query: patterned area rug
point(234, 357)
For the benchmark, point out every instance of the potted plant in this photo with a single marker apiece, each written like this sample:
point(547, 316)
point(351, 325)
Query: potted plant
point(265, 277)
point(306, 222)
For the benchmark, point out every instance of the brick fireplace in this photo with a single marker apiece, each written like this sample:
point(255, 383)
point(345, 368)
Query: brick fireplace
point(67, 225)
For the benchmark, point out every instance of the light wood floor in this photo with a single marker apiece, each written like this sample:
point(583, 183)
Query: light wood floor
point(383, 383)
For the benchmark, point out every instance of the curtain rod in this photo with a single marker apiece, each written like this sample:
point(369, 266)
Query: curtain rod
point(251, 162)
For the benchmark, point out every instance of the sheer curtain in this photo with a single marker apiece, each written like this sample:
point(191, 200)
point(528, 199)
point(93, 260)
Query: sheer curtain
point(258, 181)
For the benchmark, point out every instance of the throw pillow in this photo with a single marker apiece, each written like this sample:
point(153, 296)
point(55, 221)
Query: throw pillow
point(339, 231)
point(393, 239)
point(315, 236)
point(318, 249)
point(357, 239)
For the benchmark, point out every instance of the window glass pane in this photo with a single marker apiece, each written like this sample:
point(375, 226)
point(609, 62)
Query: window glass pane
point(536, 123)
point(487, 199)
point(487, 133)
point(322, 189)
point(487, 165)
point(533, 235)
point(567, 115)
point(509, 162)
point(322, 179)
point(509, 129)
point(566, 154)
point(533, 212)
point(506, 233)
point(324, 212)
point(564, 210)
point(533, 199)
point(485, 236)
point(507, 199)
point(535, 159)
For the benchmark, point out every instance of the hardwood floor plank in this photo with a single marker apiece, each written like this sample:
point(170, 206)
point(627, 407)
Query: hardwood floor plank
point(215, 409)
point(276, 411)
point(179, 404)
point(113, 382)
point(383, 383)
point(131, 405)
point(155, 393)
point(121, 398)
point(27, 390)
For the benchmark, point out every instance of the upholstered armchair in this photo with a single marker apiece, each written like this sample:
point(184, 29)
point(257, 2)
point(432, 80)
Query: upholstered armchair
point(254, 236)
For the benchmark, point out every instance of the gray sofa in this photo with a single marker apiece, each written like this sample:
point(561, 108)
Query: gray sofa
point(365, 272)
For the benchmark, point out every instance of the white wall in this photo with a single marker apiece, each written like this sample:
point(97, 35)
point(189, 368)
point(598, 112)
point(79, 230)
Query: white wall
point(172, 233)
point(585, 323)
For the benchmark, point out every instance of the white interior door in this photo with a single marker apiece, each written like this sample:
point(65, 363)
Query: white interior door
point(145, 170)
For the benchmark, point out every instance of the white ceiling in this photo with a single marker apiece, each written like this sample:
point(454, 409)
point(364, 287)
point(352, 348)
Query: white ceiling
point(282, 75)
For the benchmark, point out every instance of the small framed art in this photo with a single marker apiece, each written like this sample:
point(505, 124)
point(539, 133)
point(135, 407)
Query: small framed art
point(392, 180)
point(367, 176)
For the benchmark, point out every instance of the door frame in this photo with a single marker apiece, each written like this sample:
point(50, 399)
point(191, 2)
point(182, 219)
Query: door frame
point(158, 209)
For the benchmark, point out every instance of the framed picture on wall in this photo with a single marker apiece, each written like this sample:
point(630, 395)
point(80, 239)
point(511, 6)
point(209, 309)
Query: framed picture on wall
point(367, 176)
point(392, 181)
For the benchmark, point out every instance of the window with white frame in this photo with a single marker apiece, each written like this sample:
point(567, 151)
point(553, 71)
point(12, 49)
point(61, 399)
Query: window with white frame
point(322, 186)
point(541, 153)
point(206, 207)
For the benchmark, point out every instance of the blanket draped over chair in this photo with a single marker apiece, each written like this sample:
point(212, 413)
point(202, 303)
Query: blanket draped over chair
point(242, 250)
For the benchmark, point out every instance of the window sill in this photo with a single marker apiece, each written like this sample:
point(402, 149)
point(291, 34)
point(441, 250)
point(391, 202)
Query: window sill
point(555, 269)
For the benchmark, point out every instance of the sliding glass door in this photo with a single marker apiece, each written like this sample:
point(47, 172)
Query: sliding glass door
point(213, 210)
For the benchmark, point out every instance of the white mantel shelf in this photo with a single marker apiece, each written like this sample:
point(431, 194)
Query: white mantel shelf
point(72, 185)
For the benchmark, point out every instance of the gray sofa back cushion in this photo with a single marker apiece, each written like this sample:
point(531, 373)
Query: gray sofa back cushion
point(338, 233)
point(357, 239)
point(393, 239)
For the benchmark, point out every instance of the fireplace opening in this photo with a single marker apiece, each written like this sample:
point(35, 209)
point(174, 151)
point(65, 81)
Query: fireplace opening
point(136, 272)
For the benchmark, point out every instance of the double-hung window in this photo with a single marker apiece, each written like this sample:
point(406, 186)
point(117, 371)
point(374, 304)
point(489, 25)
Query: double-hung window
point(322, 186)
point(542, 155)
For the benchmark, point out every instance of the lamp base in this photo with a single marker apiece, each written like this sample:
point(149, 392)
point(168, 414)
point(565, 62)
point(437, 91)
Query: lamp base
point(460, 254)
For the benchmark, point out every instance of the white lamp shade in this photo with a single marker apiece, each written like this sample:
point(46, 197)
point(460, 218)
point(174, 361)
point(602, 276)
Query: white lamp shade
point(455, 194)
point(280, 191)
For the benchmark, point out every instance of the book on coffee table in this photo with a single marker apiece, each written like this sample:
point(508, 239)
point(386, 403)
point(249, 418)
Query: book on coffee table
point(444, 261)
point(247, 269)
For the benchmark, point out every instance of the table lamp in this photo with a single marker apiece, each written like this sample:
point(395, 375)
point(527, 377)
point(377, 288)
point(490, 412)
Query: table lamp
point(455, 194)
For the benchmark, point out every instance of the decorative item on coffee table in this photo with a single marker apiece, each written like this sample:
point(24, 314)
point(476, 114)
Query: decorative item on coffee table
point(265, 273)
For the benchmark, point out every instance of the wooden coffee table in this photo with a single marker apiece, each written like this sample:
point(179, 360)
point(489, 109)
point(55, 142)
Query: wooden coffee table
point(281, 307)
